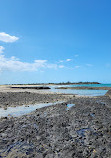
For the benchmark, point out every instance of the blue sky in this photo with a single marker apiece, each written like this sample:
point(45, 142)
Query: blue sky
point(55, 41)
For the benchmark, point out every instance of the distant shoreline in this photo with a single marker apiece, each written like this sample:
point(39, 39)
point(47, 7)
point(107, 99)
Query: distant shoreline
point(61, 83)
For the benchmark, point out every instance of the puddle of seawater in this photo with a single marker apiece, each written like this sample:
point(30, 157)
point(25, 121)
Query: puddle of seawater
point(92, 114)
point(69, 106)
point(82, 131)
point(101, 102)
point(22, 110)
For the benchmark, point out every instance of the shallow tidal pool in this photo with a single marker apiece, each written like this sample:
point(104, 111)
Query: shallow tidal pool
point(22, 110)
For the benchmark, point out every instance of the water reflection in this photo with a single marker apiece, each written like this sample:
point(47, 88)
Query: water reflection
point(69, 106)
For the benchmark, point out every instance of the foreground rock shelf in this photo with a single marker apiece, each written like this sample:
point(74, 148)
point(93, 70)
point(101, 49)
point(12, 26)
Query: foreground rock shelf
point(8, 99)
point(108, 93)
point(82, 131)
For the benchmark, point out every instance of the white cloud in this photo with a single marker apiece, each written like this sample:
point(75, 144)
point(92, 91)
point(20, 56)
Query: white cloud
point(1, 49)
point(14, 64)
point(61, 61)
point(61, 66)
point(51, 66)
point(7, 38)
point(68, 59)
point(77, 66)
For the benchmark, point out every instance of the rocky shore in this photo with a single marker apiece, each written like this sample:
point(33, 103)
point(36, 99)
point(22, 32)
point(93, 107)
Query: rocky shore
point(14, 99)
point(31, 87)
point(108, 93)
point(78, 128)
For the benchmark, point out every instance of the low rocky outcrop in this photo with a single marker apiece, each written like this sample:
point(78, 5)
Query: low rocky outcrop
point(38, 87)
point(109, 93)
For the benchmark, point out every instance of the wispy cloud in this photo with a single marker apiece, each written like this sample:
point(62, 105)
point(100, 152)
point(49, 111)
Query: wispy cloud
point(62, 61)
point(1, 49)
point(77, 66)
point(89, 65)
point(61, 66)
point(14, 64)
point(4, 37)
point(68, 59)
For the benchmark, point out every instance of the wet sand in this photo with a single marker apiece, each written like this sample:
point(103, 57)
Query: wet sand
point(58, 131)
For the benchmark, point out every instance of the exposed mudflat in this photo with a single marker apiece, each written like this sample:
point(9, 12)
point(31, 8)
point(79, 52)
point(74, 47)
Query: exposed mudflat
point(59, 131)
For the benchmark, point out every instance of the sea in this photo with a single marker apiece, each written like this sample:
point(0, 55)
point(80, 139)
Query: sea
point(81, 92)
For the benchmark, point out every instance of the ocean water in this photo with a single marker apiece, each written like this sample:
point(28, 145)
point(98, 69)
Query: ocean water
point(82, 92)
point(86, 85)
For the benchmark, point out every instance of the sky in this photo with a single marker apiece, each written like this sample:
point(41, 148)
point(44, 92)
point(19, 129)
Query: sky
point(44, 41)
